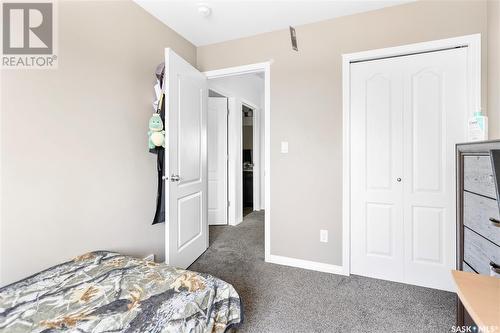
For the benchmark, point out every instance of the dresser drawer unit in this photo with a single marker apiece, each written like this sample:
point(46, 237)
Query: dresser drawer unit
point(479, 252)
point(480, 214)
point(478, 234)
point(478, 176)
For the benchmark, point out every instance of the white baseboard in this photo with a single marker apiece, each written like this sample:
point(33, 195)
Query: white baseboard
point(306, 264)
point(236, 222)
point(218, 223)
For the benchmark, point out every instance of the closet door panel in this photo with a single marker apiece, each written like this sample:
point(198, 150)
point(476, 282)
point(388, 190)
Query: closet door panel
point(376, 196)
point(434, 121)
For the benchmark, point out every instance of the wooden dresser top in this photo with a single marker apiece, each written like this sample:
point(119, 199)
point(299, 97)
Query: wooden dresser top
point(480, 294)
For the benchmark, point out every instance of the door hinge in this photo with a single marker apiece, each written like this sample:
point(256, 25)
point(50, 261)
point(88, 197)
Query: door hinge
point(229, 203)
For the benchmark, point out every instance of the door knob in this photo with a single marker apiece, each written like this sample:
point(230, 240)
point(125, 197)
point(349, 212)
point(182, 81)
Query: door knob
point(399, 180)
point(175, 178)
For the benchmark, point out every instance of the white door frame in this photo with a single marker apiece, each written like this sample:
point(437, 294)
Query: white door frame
point(264, 67)
point(472, 42)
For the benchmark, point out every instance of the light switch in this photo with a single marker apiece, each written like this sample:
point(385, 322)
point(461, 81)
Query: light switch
point(284, 147)
point(323, 236)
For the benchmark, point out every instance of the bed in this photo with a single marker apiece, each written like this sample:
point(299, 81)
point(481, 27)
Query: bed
point(108, 292)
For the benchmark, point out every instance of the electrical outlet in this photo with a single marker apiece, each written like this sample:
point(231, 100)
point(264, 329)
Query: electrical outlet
point(150, 257)
point(323, 236)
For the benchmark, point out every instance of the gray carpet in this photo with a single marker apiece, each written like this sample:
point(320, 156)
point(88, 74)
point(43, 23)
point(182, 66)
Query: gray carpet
point(285, 299)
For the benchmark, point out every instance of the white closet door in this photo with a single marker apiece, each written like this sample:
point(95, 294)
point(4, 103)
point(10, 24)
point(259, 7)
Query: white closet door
point(217, 160)
point(434, 121)
point(376, 164)
point(407, 114)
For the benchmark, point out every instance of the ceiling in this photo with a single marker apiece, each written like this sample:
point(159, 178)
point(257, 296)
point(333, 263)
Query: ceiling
point(236, 19)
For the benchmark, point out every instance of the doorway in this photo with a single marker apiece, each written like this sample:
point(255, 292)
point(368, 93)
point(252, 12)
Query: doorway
point(185, 165)
point(235, 148)
point(264, 71)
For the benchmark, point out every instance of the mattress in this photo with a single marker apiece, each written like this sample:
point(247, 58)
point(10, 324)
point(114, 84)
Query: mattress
point(108, 292)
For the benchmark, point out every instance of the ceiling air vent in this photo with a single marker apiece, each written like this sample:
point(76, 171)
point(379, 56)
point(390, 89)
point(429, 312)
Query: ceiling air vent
point(293, 37)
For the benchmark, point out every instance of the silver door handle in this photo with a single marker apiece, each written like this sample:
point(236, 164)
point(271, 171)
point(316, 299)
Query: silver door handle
point(164, 177)
point(175, 178)
point(399, 180)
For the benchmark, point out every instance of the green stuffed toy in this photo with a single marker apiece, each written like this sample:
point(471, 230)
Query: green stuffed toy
point(156, 133)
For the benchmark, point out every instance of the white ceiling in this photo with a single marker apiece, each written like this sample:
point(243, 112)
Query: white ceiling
point(235, 19)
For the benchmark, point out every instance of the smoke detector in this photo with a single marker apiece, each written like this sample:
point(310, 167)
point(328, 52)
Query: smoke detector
point(204, 10)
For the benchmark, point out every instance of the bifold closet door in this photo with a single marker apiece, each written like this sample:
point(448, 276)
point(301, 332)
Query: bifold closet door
point(407, 114)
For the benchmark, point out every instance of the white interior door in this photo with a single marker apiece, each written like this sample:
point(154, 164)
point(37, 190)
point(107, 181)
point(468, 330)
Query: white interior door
point(235, 146)
point(407, 114)
point(186, 161)
point(217, 160)
point(376, 152)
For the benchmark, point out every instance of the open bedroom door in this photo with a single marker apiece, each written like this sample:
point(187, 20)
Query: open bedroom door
point(186, 228)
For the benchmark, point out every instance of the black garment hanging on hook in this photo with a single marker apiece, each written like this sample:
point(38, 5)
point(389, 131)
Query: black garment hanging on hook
point(160, 156)
point(160, 196)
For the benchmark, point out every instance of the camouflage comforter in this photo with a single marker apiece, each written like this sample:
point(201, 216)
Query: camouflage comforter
point(108, 292)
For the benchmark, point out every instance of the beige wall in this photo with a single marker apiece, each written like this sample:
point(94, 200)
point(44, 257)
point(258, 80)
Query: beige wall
point(76, 172)
point(493, 108)
point(306, 108)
